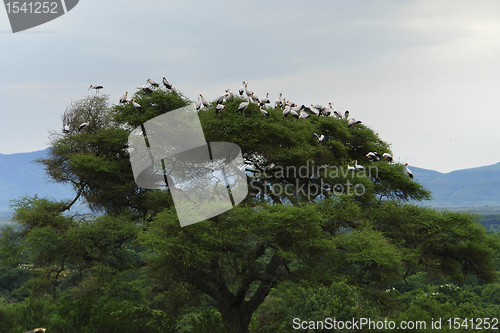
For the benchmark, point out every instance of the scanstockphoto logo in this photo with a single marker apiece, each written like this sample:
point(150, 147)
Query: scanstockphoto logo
point(25, 15)
point(205, 179)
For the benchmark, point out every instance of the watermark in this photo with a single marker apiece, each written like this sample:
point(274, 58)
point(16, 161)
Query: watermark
point(205, 179)
point(25, 15)
point(308, 180)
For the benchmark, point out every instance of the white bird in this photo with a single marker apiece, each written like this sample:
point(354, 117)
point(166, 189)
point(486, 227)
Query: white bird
point(152, 82)
point(320, 138)
point(221, 99)
point(357, 166)
point(408, 171)
point(387, 156)
point(350, 168)
point(346, 114)
point(229, 93)
point(123, 98)
point(303, 115)
point(96, 87)
point(312, 109)
point(66, 128)
point(219, 108)
point(136, 105)
point(353, 122)
point(255, 98)
point(286, 110)
point(146, 89)
point(198, 104)
point(295, 114)
point(277, 102)
point(82, 126)
point(167, 84)
point(248, 92)
point(204, 100)
point(264, 112)
point(265, 100)
point(243, 106)
point(242, 89)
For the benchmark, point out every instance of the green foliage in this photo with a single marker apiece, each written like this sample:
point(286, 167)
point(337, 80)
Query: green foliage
point(306, 242)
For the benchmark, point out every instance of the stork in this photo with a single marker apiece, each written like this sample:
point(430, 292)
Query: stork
point(303, 115)
point(387, 157)
point(265, 100)
point(198, 104)
point(136, 105)
point(204, 100)
point(243, 106)
point(167, 84)
point(96, 87)
point(346, 114)
point(146, 89)
point(320, 138)
point(408, 171)
point(277, 102)
point(264, 112)
point(82, 126)
point(286, 110)
point(219, 108)
point(66, 129)
point(152, 82)
point(353, 122)
point(357, 166)
point(123, 98)
point(242, 89)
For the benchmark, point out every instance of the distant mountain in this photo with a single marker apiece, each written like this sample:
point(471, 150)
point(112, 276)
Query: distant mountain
point(20, 176)
point(462, 188)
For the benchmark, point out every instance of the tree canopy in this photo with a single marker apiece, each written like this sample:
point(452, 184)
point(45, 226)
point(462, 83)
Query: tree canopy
point(307, 222)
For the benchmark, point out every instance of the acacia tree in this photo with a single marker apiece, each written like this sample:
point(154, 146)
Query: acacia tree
point(306, 218)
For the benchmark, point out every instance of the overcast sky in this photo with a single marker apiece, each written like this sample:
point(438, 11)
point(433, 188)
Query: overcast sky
point(425, 74)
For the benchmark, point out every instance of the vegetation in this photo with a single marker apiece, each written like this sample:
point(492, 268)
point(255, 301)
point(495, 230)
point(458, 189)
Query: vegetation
point(310, 241)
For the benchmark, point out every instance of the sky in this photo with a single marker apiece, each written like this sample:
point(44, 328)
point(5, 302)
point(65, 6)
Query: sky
point(424, 74)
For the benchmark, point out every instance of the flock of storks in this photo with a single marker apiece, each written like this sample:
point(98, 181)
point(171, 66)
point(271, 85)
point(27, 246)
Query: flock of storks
point(289, 108)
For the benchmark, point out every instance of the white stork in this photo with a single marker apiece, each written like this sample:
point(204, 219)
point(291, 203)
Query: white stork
point(353, 122)
point(357, 166)
point(242, 89)
point(346, 114)
point(248, 92)
point(66, 129)
point(304, 115)
point(320, 138)
point(96, 87)
point(219, 108)
point(408, 171)
point(82, 126)
point(167, 84)
point(387, 157)
point(264, 112)
point(198, 104)
point(350, 168)
point(136, 105)
point(265, 100)
point(286, 110)
point(152, 82)
point(123, 98)
point(146, 89)
point(204, 100)
point(243, 106)
point(277, 102)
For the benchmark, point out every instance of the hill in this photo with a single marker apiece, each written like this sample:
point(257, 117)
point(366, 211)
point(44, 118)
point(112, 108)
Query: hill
point(20, 176)
point(473, 187)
